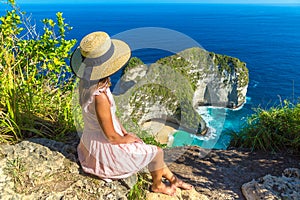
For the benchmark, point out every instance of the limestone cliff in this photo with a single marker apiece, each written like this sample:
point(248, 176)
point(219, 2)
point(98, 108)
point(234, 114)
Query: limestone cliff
point(218, 80)
point(173, 87)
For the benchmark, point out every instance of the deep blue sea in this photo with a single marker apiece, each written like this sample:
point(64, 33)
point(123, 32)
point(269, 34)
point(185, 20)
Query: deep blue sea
point(266, 37)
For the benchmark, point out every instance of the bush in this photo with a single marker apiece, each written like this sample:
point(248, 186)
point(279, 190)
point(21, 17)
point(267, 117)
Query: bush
point(35, 90)
point(276, 129)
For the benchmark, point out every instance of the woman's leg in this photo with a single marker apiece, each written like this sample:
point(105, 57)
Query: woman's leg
point(156, 168)
point(175, 181)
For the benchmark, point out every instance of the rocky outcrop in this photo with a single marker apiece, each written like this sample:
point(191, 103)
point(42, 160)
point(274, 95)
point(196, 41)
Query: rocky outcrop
point(173, 87)
point(273, 187)
point(46, 169)
point(220, 174)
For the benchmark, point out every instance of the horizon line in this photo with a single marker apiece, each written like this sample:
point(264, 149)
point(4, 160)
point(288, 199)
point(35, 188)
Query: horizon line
point(125, 3)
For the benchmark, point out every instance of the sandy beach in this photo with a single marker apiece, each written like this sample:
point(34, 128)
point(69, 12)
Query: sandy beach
point(161, 130)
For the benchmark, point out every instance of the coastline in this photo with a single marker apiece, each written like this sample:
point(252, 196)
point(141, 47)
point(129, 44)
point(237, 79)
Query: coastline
point(161, 129)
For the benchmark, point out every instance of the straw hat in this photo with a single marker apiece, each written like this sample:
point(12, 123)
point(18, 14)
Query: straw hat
point(98, 56)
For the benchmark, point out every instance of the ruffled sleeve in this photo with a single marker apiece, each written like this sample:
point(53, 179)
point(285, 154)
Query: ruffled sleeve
point(97, 92)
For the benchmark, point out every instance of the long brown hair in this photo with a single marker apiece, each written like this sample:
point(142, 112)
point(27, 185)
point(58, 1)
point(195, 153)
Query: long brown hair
point(86, 89)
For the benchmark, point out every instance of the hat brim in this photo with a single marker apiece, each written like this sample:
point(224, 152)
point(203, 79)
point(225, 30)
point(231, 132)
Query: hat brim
point(119, 58)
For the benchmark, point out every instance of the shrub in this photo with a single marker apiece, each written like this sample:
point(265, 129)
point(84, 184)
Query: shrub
point(35, 90)
point(276, 129)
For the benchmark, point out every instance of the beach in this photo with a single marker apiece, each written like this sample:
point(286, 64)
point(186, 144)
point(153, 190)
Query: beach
point(162, 130)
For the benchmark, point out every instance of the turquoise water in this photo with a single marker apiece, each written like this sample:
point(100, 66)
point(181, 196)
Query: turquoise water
point(219, 121)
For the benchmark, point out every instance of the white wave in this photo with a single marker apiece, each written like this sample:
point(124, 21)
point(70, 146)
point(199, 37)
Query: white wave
point(248, 100)
point(203, 111)
point(211, 134)
point(170, 140)
point(239, 108)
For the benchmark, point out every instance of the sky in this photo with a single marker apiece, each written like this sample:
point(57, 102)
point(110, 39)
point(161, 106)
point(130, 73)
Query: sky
point(162, 1)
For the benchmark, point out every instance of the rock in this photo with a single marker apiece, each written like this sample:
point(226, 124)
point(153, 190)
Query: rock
point(46, 169)
point(130, 181)
point(180, 195)
point(130, 79)
point(271, 187)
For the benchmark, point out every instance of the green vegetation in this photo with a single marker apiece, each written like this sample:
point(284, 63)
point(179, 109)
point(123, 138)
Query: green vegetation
point(276, 129)
point(156, 93)
point(16, 170)
point(138, 192)
point(227, 64)
point(179, 64)
point(35, 93)
point(132, 63)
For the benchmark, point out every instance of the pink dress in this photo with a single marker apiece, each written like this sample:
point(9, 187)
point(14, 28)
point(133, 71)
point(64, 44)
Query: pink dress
point(103, 159)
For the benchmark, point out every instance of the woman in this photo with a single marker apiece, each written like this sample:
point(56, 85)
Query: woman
point(106, 149)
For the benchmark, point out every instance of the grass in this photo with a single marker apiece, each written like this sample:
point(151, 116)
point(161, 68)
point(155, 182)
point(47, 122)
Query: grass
point(138, 192)
point(35, 92)
point(276, 129)
point(15, 169)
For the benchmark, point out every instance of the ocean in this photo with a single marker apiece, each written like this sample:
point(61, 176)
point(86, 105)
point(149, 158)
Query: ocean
point(266, 37)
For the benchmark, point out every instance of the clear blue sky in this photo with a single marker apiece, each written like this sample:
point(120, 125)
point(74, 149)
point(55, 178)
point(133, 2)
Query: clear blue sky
point(161, 1)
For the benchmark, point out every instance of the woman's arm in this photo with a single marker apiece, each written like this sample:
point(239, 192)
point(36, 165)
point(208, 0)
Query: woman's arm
point(122, 127)
point(102, 107)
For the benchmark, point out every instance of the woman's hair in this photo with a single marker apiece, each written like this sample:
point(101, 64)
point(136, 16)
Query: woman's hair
point(86, 89)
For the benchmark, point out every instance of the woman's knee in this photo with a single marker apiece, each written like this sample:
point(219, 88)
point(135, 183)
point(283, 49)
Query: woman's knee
point(160, 152)
point(159, 156)
point(158, 162)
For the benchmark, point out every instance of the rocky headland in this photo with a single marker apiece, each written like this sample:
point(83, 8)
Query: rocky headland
point(170, 90)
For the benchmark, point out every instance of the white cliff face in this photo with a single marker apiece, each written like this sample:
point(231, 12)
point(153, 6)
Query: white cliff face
point(218, 80)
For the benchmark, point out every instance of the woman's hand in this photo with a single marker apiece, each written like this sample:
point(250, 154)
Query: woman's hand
point(131, 138)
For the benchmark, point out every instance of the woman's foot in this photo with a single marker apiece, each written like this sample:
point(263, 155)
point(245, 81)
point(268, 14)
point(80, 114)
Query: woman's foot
point(164, 189)
point(182, 185)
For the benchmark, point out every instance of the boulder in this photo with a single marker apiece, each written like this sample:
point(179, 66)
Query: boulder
point(46, 169)
point(272, 187)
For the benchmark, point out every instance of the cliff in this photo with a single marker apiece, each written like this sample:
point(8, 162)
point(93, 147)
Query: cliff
point(217, 80)
point(173, 87)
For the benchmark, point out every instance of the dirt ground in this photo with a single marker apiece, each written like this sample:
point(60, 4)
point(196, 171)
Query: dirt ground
point(219, 174)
